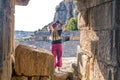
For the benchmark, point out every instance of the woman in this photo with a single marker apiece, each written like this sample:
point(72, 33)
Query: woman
point(56, 47)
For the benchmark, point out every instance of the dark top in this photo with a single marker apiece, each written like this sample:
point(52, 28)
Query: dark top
point(57, 41)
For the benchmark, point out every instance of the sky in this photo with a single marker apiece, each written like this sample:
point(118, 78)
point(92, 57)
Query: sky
point(35, 15)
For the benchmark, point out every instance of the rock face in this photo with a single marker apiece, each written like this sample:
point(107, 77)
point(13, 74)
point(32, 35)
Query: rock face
point(33, 62)
point(65, 10)
point(98, 56)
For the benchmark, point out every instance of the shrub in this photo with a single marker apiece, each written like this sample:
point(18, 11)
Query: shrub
point(72, 24)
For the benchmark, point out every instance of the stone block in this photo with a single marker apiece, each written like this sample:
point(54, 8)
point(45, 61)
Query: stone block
point(94, 69)
point(19, 78)
point(33, 61)
point(35, 78)
point(118, 73)
point(22, 2)
point(41, 78)
point(82, 66)
point(105, 48)
point(82, 5)
point(102, 71)
point(87, 37)
point(63, 76)
point(97, 18)
point(97, 54)
point(99, 24)
point(99, 44)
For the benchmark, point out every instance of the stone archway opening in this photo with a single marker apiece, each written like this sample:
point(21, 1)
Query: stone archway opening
point(67, 49)
point(40, 36)
point(7, 35)
point(7, 8)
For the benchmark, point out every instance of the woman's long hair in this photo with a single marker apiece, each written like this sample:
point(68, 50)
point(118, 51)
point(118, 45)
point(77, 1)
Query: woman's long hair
point(55, 35)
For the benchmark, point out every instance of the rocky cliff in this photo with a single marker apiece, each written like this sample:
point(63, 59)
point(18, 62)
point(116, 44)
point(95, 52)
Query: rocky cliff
point(65, 10)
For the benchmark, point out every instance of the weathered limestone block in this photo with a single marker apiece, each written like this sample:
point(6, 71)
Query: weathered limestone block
point(105, 49)
point(86, 39)
point(22, 2)
point(93, 69)
point(98, 44)
point(35, 78)
point(63, 76)
point(102, 71)
point(41, 78)
point(117, 75)
point(83, 66)
point(97, 18)
point(82, 5)
point(19, 78)
point(31, 61)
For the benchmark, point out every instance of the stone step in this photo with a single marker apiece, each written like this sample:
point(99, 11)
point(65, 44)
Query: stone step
point(63, 75)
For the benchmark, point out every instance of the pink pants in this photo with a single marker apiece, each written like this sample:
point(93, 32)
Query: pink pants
point(56, 50)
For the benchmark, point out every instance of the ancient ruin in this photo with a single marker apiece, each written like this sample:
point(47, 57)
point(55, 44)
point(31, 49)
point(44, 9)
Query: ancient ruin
point(7, 10)
point(98, 54)
point(98, 58)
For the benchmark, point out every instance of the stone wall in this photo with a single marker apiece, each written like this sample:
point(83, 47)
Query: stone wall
point(99, 39)
point(44, 35)
point(7, 9)
point(69, 47)
point(6, 37)
point(21, 2)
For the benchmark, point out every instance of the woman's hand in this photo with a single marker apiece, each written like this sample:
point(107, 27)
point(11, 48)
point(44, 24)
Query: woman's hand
point(49, 28)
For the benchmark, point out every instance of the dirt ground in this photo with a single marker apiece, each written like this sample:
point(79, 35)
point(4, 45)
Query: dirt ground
point(67, 63)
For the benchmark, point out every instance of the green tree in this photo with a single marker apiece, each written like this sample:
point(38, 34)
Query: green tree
point(75, 2)
point(72, 24)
